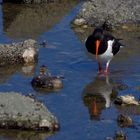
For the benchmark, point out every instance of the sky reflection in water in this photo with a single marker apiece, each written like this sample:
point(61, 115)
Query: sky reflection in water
point(84, 106)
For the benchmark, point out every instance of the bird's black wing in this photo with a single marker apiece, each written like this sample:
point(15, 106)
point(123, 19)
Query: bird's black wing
point(116, 46)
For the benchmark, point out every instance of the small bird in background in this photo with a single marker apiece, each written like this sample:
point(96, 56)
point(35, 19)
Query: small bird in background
point(104, 46)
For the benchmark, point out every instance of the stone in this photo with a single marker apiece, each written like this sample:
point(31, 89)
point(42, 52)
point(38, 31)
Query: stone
point(28, 55)
point(24, 52)
point(111, 13)
point(44, 81)
point(126, 100)
point(124, 121)
point(79, 21)
point(120, 135)
point(26, 113)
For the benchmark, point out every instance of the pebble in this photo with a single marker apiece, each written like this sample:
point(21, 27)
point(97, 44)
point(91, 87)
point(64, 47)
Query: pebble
point(124, 121)
point(126, 100)
point(79, 21)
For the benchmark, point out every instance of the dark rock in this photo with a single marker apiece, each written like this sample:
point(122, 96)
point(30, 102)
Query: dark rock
point(25, 113)
point(46, 82)
point(21, 52)
point(118, 101)
point(124, 121)
point(109, 13)
point(119, 135)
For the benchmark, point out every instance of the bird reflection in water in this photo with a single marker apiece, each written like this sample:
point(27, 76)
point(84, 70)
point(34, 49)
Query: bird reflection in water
point(98, 95)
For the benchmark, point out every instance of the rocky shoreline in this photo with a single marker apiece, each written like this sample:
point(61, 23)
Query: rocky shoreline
point(17, 111)
point(22, 52)
point(25, 113)
point(109, 13)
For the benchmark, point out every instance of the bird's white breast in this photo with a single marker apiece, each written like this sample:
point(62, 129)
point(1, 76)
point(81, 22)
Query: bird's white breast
point(107, 55)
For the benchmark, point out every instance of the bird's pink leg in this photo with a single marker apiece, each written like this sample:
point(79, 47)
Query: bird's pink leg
point(106, 71)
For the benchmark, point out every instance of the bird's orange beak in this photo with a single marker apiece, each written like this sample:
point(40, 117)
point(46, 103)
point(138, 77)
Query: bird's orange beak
point(97, 47)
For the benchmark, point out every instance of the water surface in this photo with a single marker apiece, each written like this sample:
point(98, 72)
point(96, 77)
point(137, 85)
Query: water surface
point(84, 106)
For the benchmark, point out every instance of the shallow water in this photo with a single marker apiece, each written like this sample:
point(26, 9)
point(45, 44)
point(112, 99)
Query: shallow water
point(84, 106)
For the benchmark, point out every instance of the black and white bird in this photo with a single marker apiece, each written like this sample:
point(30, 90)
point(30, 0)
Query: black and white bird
point(104, 46)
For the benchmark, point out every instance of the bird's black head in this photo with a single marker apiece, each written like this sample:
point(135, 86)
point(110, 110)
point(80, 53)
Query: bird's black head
point(98, 34)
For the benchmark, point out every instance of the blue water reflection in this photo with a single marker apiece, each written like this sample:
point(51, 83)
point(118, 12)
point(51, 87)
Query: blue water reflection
point(65, 54)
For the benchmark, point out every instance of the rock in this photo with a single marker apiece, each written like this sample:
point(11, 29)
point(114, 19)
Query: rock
point(79, 21)
point(110, 13)
point(28, 55)
point(23, 112)
point(124, 121)
point(46, 82)
point(119, 135)
point(21, 52)
point(126, 100)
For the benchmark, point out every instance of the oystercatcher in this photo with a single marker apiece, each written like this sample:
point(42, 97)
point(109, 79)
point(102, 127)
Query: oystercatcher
point(104, 46)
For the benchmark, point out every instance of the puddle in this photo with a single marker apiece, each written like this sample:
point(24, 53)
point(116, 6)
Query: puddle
point(86, 100)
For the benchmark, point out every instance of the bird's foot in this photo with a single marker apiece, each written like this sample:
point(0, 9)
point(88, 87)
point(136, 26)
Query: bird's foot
point(100, 72)
point(103, 73)
point(106, 72)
